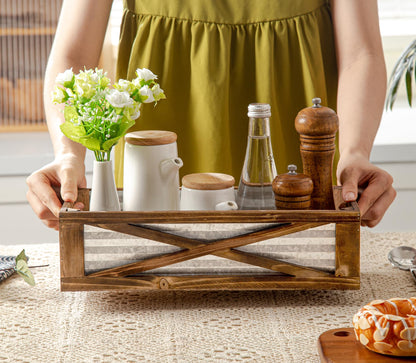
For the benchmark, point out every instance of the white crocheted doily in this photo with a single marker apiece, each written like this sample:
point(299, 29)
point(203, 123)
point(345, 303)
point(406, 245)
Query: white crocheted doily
point(42, 324)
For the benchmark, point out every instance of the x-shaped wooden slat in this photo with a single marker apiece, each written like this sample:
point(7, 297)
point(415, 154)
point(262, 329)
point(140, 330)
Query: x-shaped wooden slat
point(221, 248)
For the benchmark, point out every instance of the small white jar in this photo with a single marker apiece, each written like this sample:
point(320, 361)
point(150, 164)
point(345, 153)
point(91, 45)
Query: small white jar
point(151, 171)
point(208, 191)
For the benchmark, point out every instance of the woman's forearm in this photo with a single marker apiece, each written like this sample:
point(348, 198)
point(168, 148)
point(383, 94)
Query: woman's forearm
point(77, 44)
point(361, 73)
point(361, 94)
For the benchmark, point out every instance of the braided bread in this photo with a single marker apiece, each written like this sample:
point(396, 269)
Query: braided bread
point(388, 326)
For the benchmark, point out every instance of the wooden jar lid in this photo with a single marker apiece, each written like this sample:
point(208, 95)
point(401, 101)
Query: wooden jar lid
point(316, 120)
point(292, 190)
point(151, 137)
point(208, 181)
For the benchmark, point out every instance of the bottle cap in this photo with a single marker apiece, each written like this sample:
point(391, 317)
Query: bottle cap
point(259, 110)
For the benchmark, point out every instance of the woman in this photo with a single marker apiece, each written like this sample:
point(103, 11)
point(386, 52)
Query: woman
point(215, 57)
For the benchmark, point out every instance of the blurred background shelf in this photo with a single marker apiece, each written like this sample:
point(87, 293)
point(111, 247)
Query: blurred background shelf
point(26, 31)
point(26, 35)
point(9, 126)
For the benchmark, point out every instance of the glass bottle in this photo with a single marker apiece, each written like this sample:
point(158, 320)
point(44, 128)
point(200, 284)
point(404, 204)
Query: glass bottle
point(255, 188)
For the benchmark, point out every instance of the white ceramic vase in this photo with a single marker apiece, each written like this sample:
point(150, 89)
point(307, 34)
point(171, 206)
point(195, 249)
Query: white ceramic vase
point(104, 195)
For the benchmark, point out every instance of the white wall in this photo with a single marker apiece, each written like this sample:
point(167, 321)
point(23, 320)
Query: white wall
point(395, 151)
point(400, 162)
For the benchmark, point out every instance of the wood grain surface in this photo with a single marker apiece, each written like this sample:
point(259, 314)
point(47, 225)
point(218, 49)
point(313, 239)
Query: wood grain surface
point(208, 181)
point(341, 346)
point(150, 137)
point(317, 127)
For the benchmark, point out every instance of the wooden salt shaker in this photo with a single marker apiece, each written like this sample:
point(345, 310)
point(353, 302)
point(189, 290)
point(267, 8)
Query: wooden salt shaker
point(317, 126)
point(292, 190)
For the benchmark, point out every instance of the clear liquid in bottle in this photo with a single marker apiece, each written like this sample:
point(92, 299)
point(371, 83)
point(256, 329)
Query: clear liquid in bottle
point(255, 188)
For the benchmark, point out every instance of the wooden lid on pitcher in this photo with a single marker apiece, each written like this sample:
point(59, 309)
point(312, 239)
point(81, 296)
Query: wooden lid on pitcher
point(151, 137)
point(208, 181)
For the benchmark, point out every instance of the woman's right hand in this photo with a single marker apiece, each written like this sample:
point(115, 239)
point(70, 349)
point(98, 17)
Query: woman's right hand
point(67, 172)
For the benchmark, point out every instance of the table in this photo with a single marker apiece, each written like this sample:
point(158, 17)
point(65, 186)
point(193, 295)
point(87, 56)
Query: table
point(42, 324)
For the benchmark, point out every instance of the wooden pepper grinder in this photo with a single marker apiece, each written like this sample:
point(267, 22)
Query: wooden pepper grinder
point(292, 190)
point(317, 126)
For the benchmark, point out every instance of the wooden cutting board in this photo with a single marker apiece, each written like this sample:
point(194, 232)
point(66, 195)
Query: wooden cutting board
point(341, 346)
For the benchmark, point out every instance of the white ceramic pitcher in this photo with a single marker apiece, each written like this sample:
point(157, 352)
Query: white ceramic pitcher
point(151, 171)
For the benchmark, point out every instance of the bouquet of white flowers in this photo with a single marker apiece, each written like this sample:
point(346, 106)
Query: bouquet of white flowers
point(97, 114)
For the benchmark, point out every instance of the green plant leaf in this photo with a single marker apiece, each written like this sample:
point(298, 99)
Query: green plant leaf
point(71, 131)
point(23, 269)
point(411, 65)
point(91, 141)
point(406, 60)
point(71, 114)
point(122, 129)
point(21, 256)
point(409, 85)
point(70, 128)
point(108, 144)
point(402, 59)
point(392, 94)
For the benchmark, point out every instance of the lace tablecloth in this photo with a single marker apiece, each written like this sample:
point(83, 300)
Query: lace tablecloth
point(42, 324)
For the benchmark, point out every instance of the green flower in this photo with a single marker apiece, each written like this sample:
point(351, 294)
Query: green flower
point(59, 95)
point(97, 114)
point(158, 93)
point(65, 79)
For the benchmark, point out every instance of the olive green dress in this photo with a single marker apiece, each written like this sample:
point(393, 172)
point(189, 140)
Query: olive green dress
point(213, 58)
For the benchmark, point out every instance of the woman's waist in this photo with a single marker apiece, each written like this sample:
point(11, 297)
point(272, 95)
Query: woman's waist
point(225, 11)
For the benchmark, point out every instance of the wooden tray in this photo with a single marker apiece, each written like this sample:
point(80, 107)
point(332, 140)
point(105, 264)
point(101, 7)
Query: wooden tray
point(341, 346)
point(281, 274)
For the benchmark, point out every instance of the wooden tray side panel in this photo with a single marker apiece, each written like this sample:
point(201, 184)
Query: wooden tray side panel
point(347, 250)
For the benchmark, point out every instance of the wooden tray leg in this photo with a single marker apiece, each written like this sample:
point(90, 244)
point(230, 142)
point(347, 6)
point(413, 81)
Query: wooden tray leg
point(347, 250)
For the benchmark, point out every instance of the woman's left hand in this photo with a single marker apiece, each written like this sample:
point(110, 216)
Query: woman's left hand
point(355, 173)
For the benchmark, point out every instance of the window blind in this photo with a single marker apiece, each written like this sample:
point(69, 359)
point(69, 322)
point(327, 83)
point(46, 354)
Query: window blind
point(27, 28)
